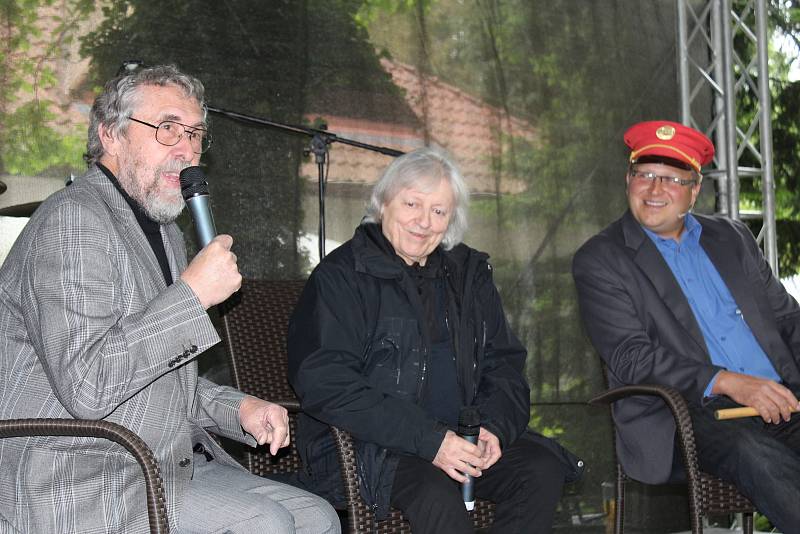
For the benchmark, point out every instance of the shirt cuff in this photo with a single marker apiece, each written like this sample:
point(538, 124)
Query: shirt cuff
point(707, 393)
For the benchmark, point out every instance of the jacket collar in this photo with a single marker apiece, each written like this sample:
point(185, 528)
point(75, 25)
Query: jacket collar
point(147, 224)
point(130, 229)
point(374, 255)
point(646, 255)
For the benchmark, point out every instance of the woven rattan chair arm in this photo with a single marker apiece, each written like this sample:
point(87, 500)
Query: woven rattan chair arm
point(156, 503)
point(357, 509)
point(680, 412)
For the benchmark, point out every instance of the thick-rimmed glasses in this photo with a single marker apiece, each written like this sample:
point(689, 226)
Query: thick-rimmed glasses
point(667, 181)
point(169, 133)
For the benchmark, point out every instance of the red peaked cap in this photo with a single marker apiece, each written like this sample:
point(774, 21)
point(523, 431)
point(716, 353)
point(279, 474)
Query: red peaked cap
point(669, 140)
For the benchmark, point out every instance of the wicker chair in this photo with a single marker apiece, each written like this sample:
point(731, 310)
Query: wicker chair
point(255, 328)
point(708, 495)
point(156, 504)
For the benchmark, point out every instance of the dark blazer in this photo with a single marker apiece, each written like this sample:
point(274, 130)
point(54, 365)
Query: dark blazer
point(641, 324)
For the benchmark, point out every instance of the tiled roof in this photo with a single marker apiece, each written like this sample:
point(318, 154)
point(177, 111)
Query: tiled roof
point(472, 131)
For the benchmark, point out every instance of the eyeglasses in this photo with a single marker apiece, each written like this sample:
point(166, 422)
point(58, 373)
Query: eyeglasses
point(169, 133)
point(667, 181)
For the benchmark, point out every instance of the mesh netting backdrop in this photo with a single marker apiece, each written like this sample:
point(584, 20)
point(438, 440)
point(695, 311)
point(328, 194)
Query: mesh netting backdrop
point(529, 97)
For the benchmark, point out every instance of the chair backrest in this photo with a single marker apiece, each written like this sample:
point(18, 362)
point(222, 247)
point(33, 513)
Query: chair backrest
point(256, 324)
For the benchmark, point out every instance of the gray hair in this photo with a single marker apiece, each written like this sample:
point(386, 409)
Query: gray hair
point(423, 168)
point(119, 98)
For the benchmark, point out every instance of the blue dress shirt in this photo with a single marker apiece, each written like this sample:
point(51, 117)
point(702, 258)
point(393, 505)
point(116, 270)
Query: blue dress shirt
point(730, 341)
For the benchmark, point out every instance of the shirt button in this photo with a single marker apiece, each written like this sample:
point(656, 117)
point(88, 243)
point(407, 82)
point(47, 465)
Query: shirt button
point(185, 462)
point(722, 338)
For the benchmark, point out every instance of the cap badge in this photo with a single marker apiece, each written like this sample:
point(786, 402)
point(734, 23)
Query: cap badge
point(666, 132)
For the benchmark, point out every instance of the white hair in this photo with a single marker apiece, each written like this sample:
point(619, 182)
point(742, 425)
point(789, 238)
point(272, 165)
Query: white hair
point(422, 169)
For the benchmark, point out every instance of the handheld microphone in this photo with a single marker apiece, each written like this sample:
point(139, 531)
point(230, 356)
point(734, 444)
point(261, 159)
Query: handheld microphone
point(194, 189)
point(469, 421)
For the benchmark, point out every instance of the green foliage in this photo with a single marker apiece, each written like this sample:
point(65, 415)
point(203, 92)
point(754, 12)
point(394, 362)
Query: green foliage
point(784, 18)
point(762, 524)
point(371, 10)
point(35, 148)
point(30, 140)
point(537, 421)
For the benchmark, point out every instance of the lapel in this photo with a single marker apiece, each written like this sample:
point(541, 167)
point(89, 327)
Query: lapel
point(649, 260)
point(176, 256)
point(722, 251)
point(175, 249)
point(127, 225)
point(142, 254)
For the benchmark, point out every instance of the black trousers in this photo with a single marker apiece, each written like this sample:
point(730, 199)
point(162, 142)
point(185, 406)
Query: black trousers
point(761, 459)
point(525, 484)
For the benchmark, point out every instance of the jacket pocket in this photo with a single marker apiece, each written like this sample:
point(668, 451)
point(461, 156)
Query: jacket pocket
point(370, 459)
point(393, 362)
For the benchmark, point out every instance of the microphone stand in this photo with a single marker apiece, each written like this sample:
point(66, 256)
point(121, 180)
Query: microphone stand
point(320, 140)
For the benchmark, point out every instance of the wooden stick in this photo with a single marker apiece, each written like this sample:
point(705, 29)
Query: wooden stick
point(736, 413)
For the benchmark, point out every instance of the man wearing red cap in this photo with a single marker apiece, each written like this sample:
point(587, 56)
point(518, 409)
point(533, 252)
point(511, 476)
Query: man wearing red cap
point(687, 301)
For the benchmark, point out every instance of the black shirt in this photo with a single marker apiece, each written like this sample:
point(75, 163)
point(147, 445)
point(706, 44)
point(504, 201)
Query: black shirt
point(442, 396)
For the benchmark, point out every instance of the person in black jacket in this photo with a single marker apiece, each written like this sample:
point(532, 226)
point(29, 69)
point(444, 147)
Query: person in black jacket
point(395, 332)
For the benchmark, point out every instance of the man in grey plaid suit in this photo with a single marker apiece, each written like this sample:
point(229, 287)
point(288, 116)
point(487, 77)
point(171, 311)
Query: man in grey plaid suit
point(101, 318)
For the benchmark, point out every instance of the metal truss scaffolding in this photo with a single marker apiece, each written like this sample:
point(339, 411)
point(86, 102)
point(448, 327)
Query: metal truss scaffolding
point(712, 75)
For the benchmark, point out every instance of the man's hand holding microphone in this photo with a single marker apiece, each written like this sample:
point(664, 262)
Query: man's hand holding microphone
point(214, 276)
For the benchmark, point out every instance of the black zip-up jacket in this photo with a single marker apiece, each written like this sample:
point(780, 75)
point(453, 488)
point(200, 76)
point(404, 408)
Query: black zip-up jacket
point(358, 357)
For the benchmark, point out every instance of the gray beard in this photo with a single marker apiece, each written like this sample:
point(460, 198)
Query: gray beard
point(160, 210)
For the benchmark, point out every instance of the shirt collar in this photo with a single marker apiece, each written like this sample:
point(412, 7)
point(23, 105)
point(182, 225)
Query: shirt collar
point(690, 236)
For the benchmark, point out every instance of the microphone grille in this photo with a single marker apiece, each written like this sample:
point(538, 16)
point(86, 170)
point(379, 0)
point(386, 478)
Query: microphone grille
point(469, 416)
point(193, 182)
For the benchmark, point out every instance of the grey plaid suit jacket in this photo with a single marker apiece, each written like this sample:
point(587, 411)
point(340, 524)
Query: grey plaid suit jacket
point(90, 330)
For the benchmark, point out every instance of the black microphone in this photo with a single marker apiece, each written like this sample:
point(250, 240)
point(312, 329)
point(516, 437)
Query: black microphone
point(469, 426)
point(194, 189)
